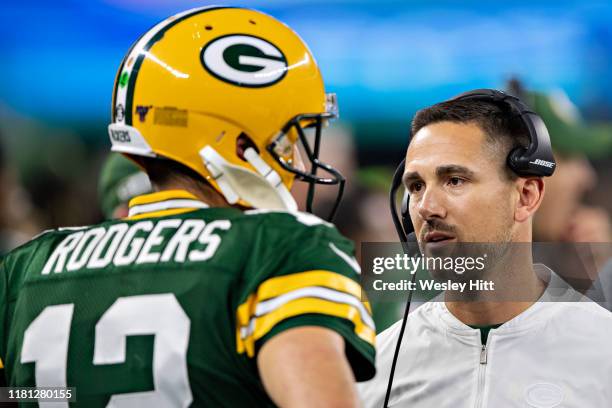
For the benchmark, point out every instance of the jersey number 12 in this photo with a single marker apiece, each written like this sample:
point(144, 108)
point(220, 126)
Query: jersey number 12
point(45, 343)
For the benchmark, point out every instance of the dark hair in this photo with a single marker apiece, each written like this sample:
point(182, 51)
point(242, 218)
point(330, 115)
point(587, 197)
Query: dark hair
point(161, 170)
point(166, 173)
point(503, 128)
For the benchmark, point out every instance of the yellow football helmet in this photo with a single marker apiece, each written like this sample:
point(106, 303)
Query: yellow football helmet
point(228, 93)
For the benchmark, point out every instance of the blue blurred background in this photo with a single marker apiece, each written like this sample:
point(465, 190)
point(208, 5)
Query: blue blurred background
point(385, 59)
point(59, 58)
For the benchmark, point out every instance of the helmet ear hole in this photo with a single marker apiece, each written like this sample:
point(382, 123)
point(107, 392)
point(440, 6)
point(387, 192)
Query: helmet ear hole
point(243, 142)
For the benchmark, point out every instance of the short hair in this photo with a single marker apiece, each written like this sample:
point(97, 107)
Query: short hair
point(161, 170)
point(503, 128)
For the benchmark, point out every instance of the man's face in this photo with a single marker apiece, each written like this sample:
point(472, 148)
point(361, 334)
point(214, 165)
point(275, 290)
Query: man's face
point(458, 191)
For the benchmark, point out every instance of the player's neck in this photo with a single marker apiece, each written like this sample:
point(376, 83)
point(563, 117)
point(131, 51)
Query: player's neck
point(201, 190)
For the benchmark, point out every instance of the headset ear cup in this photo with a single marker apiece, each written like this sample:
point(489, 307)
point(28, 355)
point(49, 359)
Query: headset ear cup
point(537, 159)
point(516, 159)
point(406, 222)
point(405, 199)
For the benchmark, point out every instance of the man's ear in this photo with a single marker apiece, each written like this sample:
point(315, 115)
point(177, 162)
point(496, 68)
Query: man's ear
point(530, 194)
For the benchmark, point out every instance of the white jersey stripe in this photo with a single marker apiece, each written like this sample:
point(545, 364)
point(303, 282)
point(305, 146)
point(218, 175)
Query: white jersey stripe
point(346, 258)
point(270, 305)
point(165, 205)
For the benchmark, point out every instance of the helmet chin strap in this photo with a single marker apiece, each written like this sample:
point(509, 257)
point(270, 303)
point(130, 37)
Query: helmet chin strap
point(263, 189)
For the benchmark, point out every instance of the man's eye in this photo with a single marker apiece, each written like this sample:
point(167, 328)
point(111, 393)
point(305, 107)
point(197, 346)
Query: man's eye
point(415, 187)
point(455, 181)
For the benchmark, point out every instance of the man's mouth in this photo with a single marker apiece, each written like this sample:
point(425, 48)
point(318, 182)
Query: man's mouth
point(438, 236)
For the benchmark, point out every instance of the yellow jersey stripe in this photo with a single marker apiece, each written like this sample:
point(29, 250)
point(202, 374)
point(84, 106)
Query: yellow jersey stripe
point(302, 306)
point(267, 306)
point(317, 291)
point(312, 305)
point(161, 196)
point(243, 316)
point(280, 285)
point(366, 303)
point(162, 213)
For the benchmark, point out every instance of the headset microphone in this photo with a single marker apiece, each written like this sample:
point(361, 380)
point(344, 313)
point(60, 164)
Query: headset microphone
point(410, 247)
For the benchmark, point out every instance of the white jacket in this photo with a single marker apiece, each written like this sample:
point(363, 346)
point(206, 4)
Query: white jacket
point(554, 354)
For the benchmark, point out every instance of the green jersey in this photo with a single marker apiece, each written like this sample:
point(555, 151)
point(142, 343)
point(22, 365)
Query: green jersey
point(170, 306)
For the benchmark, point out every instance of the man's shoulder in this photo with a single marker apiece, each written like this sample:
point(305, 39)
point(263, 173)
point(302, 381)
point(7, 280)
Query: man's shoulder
point(582, 324)
point(285, 219)
point(16, 264)
point(290, 225)
point(39, 239)
point(586, 314)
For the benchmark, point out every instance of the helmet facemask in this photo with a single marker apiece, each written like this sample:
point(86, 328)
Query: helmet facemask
point(280, 145)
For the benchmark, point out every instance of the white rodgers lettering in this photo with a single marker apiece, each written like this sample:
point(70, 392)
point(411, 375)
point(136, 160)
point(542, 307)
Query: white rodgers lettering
point(171, 240)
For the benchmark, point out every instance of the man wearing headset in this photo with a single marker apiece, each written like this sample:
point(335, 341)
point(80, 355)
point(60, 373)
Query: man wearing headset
point(472, 178)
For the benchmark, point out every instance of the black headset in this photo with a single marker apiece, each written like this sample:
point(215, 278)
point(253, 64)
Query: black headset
point(534, 160)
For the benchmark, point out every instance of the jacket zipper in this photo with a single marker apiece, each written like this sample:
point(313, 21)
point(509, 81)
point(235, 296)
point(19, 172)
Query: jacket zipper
point(483, 355)
point(481, 376)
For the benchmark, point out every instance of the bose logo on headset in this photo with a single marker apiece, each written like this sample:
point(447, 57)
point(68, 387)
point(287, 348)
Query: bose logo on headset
point(544, 163)
point(244, 60)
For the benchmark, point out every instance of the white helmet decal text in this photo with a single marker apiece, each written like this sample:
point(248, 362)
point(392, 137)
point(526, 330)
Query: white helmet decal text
point(244, 60)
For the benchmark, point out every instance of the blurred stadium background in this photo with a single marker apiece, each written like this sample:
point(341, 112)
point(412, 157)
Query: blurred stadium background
point(385, 59)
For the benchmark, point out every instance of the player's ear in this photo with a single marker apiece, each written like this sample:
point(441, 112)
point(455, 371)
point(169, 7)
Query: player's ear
point(530, 194)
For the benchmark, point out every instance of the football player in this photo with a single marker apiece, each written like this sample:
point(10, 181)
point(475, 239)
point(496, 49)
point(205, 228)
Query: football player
point(214, 291)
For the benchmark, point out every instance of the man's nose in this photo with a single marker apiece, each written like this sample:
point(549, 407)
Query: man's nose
point(431, 205)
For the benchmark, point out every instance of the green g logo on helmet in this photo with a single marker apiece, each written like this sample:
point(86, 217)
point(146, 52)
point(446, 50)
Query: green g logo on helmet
point(244, 60)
